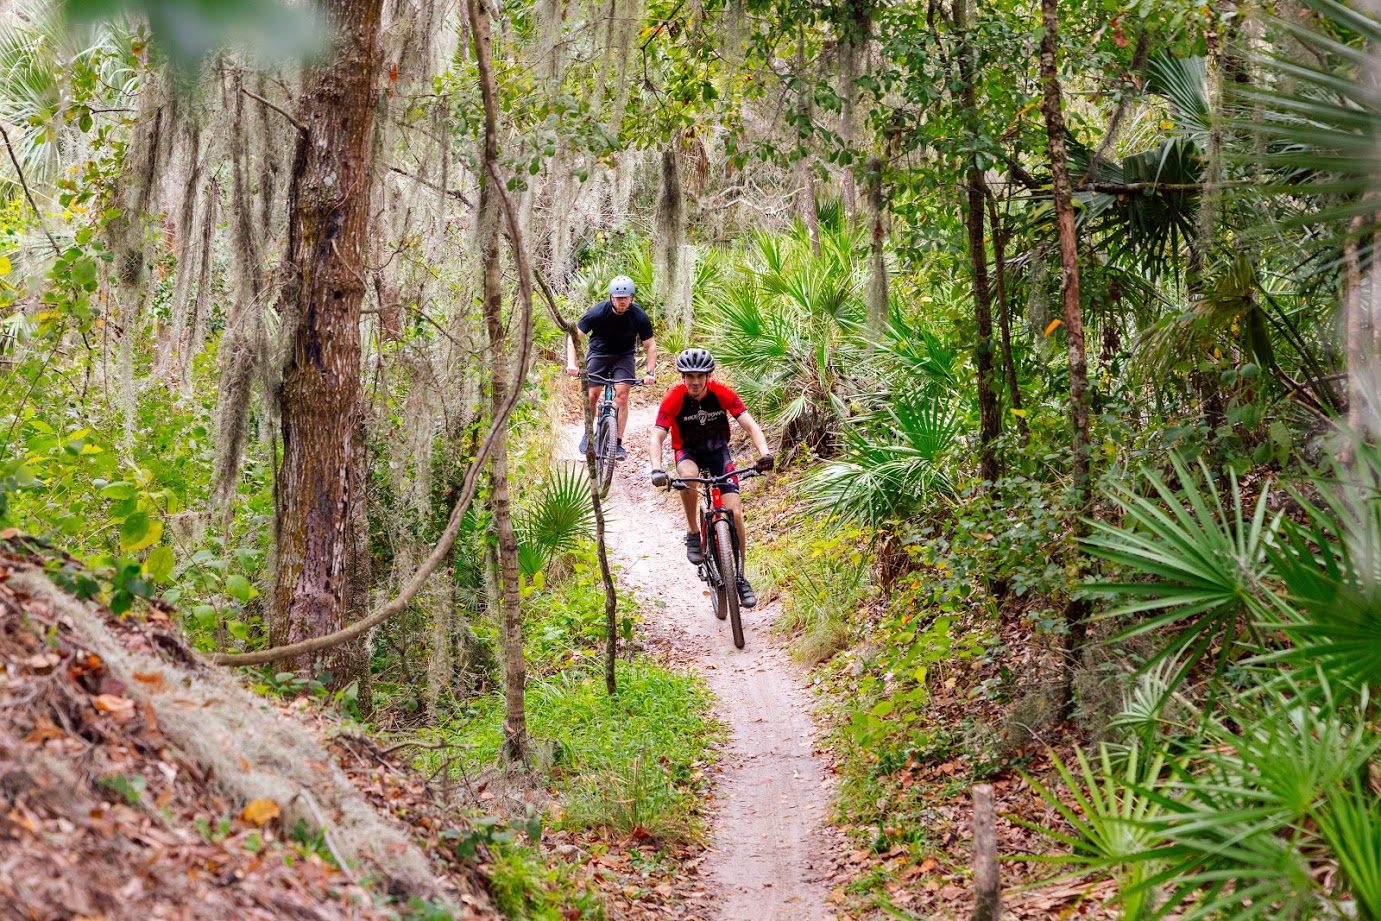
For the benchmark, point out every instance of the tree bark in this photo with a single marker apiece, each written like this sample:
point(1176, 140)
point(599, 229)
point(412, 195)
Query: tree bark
point(986, 881)
point(1004, 316)
point(855, 30)
point(879, 302)
point(1076, 612)
point(670, 232)
point(989, 417)
point(323, 287)
point(515, 663)
point(806, 202)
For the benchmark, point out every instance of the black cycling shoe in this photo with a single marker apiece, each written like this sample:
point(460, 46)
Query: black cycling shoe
point(620, 453)
point(746, 596)
point(693, 551)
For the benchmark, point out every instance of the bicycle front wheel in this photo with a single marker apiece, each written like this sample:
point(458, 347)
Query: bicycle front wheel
point(728, 571)
point(606, 444)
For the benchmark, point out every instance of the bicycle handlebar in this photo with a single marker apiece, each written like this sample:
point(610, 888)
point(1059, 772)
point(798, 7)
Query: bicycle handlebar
point(636, 382)
point(715, 480)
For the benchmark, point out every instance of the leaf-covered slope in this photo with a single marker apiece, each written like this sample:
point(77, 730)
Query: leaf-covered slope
point(138, 782)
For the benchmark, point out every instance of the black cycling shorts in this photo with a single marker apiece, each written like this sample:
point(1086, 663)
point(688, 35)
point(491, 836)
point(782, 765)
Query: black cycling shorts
point(610, 367)
point(714, 462)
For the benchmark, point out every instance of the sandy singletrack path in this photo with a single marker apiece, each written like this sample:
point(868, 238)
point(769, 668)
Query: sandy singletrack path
point(771, 841)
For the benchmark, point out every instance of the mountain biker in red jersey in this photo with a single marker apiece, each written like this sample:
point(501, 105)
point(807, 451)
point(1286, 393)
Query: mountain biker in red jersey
point(696, 413)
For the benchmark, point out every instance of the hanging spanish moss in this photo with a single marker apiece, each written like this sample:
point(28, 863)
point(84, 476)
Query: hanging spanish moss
point(170, 358)
point(145, 155)
point(202, 306)
point(669, 234)
point(243, 342)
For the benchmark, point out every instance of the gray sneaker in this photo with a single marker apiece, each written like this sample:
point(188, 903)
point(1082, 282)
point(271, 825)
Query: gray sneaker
point(620, 453)
point(693, 551)
point(584, 444)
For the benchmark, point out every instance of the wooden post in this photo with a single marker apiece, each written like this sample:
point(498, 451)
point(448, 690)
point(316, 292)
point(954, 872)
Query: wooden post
point(987, 893)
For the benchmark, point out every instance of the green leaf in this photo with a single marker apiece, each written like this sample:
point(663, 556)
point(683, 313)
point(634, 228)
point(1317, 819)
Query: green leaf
point(159, 564)
point(205, 616)
point(240, 588)
point(84, 271)
point(120, 490)
point(134, 530)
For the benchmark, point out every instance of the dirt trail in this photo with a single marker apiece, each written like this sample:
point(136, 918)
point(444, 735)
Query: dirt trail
point(771, 842)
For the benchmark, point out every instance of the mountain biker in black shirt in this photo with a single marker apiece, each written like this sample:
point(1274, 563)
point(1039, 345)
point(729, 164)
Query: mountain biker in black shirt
point(614, 326)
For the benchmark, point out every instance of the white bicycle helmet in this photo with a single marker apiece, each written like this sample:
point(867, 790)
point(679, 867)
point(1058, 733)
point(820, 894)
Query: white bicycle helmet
point(622, 287)
point(692, 360)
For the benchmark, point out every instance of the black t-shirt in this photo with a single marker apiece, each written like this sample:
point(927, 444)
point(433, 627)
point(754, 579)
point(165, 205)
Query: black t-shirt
point(612, 334)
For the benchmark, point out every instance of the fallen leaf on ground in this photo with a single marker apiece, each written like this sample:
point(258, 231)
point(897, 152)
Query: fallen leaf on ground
point(121, 708)
point(261, 811)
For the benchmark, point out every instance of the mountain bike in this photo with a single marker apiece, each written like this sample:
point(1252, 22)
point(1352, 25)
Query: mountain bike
point(606, 426)
point(720, 546)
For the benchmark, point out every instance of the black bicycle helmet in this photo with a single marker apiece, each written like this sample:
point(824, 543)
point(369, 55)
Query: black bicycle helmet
point(693, 360)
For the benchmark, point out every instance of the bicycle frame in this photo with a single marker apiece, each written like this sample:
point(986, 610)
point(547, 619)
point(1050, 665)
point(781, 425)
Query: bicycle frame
point(713, 509)
point(607, 404)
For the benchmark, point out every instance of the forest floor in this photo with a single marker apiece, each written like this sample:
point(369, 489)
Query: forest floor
point(138, 782)
point(771, 841)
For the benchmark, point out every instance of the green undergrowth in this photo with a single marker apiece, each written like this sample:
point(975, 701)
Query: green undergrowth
point(632, 763)
point(821, 571)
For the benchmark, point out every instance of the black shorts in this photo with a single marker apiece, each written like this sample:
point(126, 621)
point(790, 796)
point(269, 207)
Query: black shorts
point(610, 367)
point(715, 462)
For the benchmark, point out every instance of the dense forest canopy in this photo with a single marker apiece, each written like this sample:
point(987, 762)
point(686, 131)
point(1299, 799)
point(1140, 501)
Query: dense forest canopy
point(1062, 314)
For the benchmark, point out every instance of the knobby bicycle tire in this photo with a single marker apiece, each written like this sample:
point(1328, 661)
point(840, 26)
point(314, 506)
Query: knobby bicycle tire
point(711, 569)
point(606, 445)
point(728, 571)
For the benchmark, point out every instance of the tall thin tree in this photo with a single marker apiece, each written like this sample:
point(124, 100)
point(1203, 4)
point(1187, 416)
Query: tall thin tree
point(1076, 613)
point(989, 417)
point(490, 212)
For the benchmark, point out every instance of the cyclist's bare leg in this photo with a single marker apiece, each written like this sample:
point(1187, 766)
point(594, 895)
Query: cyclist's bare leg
point(595, 394)
point(734, 503)
point(621, 401)
point(690, 494)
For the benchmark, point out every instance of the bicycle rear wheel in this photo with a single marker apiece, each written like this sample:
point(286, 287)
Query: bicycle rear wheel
point(606, 443)
point(728, 572)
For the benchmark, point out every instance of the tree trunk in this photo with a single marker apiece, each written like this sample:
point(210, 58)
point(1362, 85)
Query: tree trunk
point(352, 659)
point(490, 208)
point(855, 33)
point(323, 287)
point(1358, 337)
point(989, 417)
point(515, 662)
point(879, 305)
point(670, 231)
point(1076, 612)
point(1004, 316)
point(805, 196)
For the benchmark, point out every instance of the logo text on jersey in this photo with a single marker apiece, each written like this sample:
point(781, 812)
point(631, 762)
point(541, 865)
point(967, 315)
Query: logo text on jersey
point(701, 417)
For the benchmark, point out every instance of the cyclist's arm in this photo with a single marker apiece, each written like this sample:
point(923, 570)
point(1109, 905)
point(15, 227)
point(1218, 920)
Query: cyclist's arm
point(750, 425)
point(655, 440)
point(570, 349)
point(650, 347)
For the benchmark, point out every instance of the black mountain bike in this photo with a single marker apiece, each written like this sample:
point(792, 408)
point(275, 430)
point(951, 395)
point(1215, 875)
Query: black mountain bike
point(720, 546)
point(606, 425)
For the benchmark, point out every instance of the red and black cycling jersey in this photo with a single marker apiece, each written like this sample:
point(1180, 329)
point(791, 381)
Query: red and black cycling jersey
point(699, 425)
